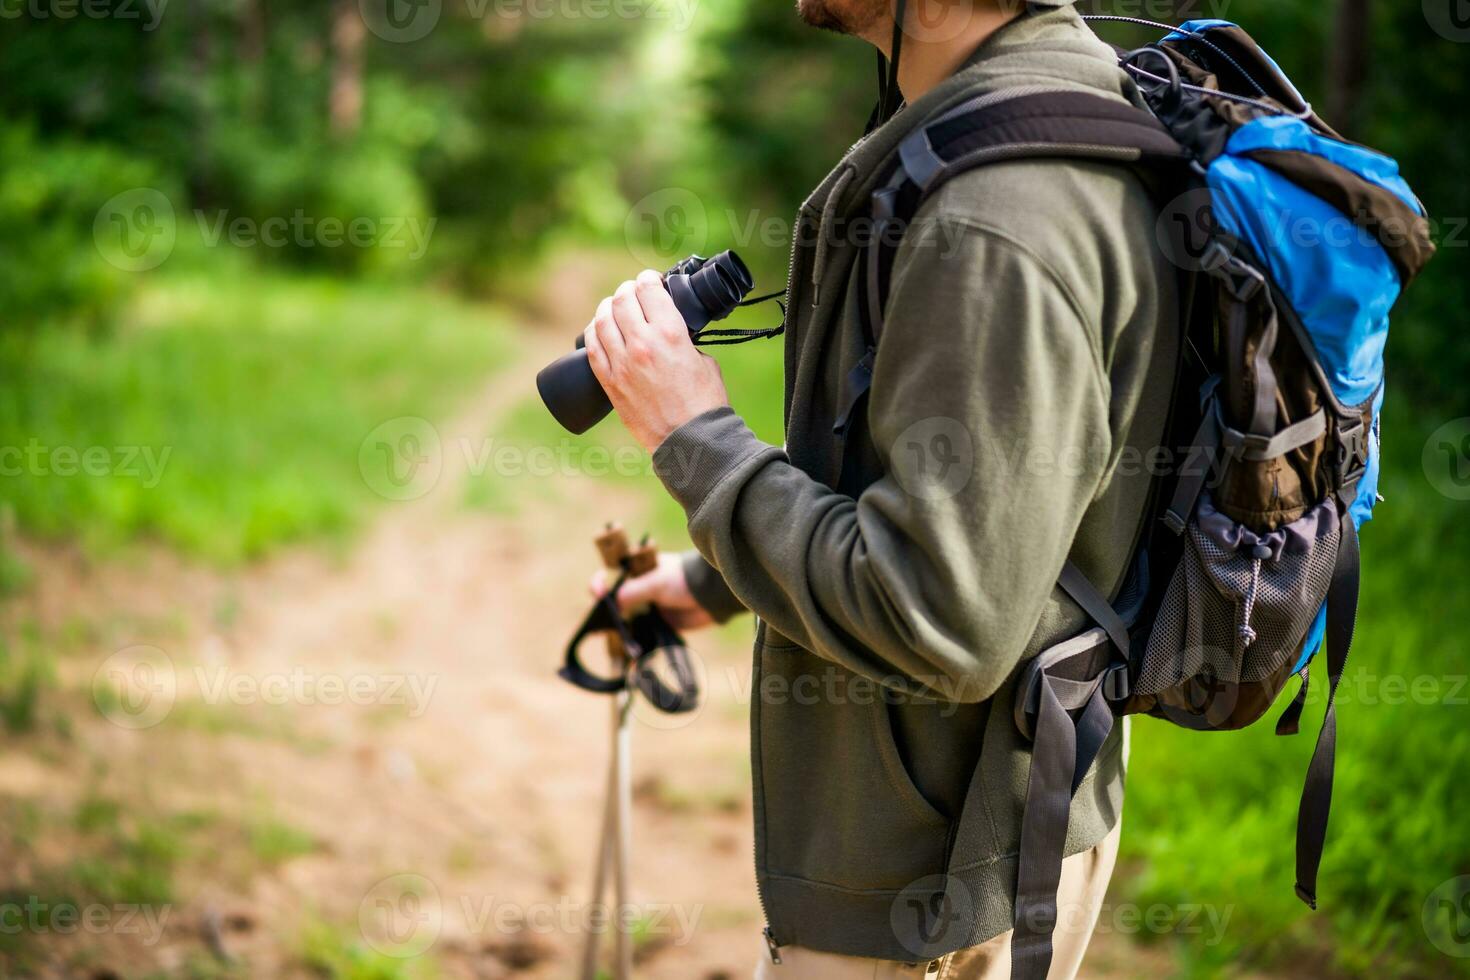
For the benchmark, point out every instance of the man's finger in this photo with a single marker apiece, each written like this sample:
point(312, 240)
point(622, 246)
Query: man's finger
point(628, 312)
point(658, 305)
point(596, 356)
point(607, 331)
point(629, 315)
point(598, 584)
point(638, 591)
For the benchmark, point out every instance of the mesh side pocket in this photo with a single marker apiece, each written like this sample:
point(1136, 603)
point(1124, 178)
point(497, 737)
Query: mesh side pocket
point(1240, 603)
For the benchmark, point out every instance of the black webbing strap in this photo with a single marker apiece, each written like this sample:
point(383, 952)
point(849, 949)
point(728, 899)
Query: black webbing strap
point(1062, 751)
point(1342, 611)
point(1290, 721)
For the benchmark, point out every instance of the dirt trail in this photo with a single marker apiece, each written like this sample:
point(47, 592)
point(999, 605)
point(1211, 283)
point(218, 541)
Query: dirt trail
point(470, 813)
point(485, 787)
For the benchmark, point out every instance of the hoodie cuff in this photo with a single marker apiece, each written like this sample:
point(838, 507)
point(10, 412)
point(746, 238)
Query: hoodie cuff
point(709, 588)
point(697, 457)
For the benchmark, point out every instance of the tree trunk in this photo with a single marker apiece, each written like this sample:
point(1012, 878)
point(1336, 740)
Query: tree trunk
point(1347, 65)
point(348, 32)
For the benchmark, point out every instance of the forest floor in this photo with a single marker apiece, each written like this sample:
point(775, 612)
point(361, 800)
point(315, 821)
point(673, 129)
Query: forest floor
point(442, 821)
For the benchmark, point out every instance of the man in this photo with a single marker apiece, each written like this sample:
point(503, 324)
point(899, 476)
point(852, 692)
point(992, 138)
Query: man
point(903, 574)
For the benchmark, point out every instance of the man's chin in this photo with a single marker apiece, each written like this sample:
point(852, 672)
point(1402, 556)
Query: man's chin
point(819, 14)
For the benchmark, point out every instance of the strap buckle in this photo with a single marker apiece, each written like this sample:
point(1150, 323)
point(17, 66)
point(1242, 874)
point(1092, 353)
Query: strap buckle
point(1352, 453)
point(1115, 683)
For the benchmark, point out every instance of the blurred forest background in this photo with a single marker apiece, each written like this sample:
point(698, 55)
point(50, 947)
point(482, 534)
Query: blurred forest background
point(178, 184)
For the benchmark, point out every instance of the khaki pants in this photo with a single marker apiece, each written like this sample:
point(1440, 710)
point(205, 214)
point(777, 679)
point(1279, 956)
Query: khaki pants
point(1079, 901)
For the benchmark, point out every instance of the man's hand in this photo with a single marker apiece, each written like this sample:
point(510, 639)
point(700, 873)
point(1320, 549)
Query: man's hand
point(640, 350)
point(665, 587)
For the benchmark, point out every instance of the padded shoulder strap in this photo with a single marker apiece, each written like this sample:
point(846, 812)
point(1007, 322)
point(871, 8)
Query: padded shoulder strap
point(1007, 125)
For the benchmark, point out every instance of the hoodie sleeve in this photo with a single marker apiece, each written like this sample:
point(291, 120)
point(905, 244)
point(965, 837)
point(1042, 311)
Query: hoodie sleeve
point(989, 412)
point(709, 589)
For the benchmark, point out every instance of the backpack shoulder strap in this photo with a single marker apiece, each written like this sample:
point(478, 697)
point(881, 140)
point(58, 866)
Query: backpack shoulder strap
point(1007, 125)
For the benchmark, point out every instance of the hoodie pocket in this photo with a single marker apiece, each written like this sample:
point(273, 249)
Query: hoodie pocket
point(838, 806)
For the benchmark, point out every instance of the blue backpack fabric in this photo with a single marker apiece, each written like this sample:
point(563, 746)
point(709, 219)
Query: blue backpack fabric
point(1293, 246)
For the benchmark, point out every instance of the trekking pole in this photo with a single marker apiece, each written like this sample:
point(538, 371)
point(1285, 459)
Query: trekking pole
point(641, 646)
point(617, 811)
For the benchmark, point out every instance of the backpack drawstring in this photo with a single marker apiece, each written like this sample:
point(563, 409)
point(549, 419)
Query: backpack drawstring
point(1258, 554)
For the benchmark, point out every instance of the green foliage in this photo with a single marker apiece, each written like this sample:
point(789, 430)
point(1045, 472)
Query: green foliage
point(226, 416)
point(50, 193)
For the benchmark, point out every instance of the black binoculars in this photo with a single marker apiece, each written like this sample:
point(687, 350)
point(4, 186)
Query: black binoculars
point(703, 290)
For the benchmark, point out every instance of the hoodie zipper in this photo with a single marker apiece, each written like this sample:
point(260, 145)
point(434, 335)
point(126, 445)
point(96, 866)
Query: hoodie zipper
point(772, 945)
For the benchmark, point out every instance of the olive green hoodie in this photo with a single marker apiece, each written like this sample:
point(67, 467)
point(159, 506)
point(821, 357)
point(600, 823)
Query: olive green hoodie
point(1023, 374)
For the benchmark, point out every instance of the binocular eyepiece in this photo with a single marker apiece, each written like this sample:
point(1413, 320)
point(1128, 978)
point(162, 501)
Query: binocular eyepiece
point(703, 290)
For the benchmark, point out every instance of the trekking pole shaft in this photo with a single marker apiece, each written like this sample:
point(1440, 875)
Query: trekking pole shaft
point(623, 832)
point(605, 845)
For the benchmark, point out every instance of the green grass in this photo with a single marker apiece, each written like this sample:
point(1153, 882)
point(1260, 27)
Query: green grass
point(224, 412)
point(341, 954)
point(273, 841)
point(26, 673)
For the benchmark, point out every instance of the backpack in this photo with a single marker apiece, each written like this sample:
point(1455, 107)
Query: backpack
point(1248, 560)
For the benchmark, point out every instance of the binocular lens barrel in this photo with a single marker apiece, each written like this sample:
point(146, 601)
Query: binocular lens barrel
point(703, 290)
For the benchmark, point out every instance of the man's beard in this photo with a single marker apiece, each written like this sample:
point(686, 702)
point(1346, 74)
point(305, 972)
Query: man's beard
point(855, 17)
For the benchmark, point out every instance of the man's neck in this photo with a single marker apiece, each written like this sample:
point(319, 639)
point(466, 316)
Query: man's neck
point(941, 34)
